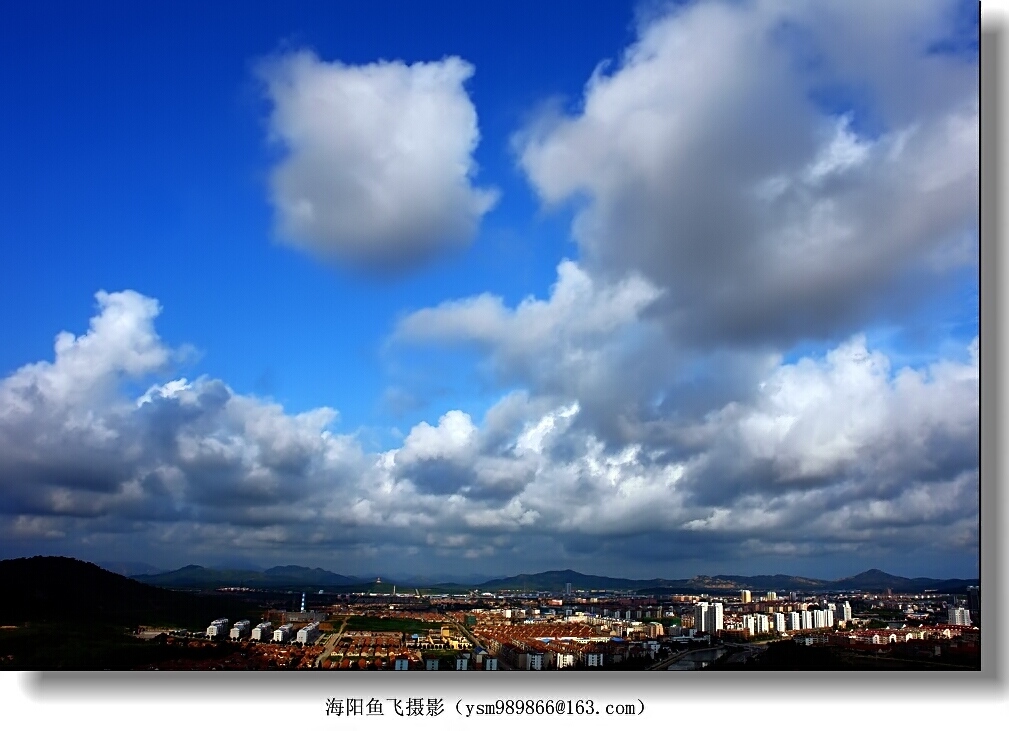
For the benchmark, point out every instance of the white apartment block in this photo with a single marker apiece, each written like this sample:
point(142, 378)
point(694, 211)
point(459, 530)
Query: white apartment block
point(779, 622)
point(708, 617)
point(701, 617)
point(240, 630)
point(217, 629)
point(309, 634)
point(959, 615)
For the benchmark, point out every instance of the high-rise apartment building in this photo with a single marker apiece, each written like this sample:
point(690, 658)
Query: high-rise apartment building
point(715, 618)
point(701, 617)
point(974, 604)
point(749, 624)
point(708, 617)
point(744, 596)
point(779, 622)
point(823, 618)
point(959, 615)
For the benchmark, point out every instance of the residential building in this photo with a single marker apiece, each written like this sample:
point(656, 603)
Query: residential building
point(749, 625)
point(779, 622)
point(308, 634)
point(701, 617)
point(217, 629)
point(959, 616)
point(974, 604)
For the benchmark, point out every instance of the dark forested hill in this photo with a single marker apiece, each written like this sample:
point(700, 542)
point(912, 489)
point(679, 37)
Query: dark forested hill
point(58, 589)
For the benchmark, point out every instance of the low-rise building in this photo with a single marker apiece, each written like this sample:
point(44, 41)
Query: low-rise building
point(308, 634)
point(217, 629)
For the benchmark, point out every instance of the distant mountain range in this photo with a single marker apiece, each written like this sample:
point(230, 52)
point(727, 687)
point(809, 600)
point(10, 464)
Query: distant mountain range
point(301, 578)
point(130, 568)
point(872, 580)
point(279, 577)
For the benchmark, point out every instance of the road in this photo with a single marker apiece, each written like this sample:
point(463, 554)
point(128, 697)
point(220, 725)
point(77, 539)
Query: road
point(502, 665)
point(331, 643)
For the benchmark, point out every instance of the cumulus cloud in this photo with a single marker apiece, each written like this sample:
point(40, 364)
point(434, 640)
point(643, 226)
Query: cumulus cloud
point(780, 171)
point(377, 161)
point(587, 341)
point(828, 454)
point(839, 453)
point(746, 177)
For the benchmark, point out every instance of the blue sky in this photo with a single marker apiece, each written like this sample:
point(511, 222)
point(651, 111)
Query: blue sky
point(661, 289)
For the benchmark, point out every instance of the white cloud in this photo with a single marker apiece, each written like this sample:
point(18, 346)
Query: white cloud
point(583, 342)
point(777, 169)
point(378, 159)
point(837, 452)
point(120, 341)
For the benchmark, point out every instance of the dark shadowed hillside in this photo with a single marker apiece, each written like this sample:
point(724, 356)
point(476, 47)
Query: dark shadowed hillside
point(58, 589)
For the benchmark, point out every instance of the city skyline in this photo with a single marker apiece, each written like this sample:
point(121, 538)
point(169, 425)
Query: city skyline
point(655, 291)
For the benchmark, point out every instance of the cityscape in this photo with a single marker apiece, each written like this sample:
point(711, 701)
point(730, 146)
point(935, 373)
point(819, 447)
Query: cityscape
point(380, 626)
